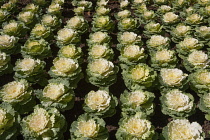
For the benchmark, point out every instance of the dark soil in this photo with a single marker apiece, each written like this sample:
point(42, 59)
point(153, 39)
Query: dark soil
point(159, 120)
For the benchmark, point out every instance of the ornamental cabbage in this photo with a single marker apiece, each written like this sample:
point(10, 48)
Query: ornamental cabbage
point(204, 104)
point(67, 36)
point(194, 19)
point(30, 69)
point(189, 43)
point(203, 33)
point(71, 51)
point(135, 127)
point(102, 23)
point(4, 15)
point(36, 48)
point(66, 68)
point(28, 18)
point(196, 60)
point(170, 18)
point(19, 95)
point(157, 42)
point(57, 94)
point(128, 24)
point(152, 28)
point(172, 78)
point(77, 23)
point(123, 14)
point(102, 11)
point(51, 21)
point(182, 129)
point(54, 9)
point(43, 123)
point(101, 72)
point(14, 28)
point(180, 32)
point(177, 104)
point(8, 44)
point(132, 54)
point(139, 76)
point(100, 51)
point(200, 81)
point(41, 31)
point(128, 38)
point(163, 59)
point(98, 38)
point(9, 122)
point(5, 64)
point(137, 101)
point(89, 127)
point(100, 103)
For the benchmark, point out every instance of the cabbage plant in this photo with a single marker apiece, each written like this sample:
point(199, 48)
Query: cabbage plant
point(19, 94)
point(102, 11)
point(157, 42)
point(30, 69)
point(77, 23)
point(135, 127)
point(29, 18)
point(177, 104)
point(122, 14)
point(196, 60)
point(200, 81)
point(189, 43)
point(51, 21)
point(41, 31)
point(43, 123)
point(98, 38)
point(128, 24)
point(71, 51)
point(100, 51)
point(102, 23)
point(5, 63)
point(100, 103)
point(172, 78)
point(14, 28)
point(54, 9)
point(36, 48)
point(137, 101)
point(101, 72)
point(204, 104)
point(67, 36)
point(128, 38)
point(152, 28)
point(163, 58)
point(180, 32)
point(4, 15)
point(89, 127)
point(9, 122)
point(66, 68)
point(139, 76)
point(32, 8)
point(182, 129)
point(132, 54)
point(57, 93)
point(9, 44)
